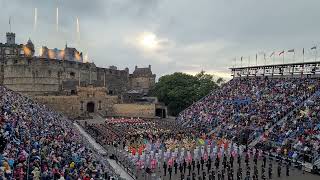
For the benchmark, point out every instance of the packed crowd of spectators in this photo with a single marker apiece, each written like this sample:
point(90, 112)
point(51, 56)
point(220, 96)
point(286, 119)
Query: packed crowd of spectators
point(41, 144)
point(253, 105)
point(37, 143)
point(299, 135)
point(248, 104)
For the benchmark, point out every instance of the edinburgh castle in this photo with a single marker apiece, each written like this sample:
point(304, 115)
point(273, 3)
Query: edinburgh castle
point(61, 80)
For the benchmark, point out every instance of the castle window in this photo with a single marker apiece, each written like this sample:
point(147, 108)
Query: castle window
point(99, 106)
point(110, 92)
point(73, 92)
point(72, 74)
point(15, 61)
point(49, 72)
point(81, 105)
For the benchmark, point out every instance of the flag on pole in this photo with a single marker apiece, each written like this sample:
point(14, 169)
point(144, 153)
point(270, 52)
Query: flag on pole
point(315, 54)
point(282, 52)
point(256, 59)
point(291, 50)
point(272, 54)
point(302, 51)
point(10, 22)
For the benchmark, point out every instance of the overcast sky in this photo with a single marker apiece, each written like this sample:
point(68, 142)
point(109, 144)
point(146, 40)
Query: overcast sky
point(171, 35)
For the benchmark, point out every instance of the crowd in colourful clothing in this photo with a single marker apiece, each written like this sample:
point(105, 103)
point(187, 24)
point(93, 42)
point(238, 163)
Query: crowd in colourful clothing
point(299, 135)
point(41, 144)
point(255, 105)
point(37, 143)
point(248, 104)
point(188, 154)
point(135, 131)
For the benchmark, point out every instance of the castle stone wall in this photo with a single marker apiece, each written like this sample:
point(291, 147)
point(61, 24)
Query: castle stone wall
point(134, 110)
point(68, 105)
point(144, 83)
point(40, 76)
point(70, 86)
point(76, 105)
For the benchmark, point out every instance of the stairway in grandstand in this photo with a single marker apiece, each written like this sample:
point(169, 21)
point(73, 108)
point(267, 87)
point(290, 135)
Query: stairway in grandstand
point(96, 118)
point(285, 118)
point(102, 152)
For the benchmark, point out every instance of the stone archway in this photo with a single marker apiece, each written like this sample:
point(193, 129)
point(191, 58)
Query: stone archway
point(90, 107)
point(161, 113)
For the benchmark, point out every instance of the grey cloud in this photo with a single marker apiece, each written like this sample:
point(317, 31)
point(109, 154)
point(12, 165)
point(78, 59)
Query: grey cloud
point(194, 29)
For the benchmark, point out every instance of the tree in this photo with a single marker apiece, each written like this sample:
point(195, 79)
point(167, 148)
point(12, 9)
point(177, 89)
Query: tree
point(180, 90)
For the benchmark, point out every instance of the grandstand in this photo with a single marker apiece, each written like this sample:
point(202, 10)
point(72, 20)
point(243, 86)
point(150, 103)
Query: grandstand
point(38, 143)
point(273, 107)
point(265, 120)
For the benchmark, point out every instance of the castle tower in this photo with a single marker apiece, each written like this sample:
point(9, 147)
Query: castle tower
point(11, 38)
point(142, 79)
point(30, 46)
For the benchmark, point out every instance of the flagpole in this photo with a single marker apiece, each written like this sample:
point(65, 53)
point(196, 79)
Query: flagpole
point(294, 54)
point(283, 58)
point(303, 55)
point(315, 58)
